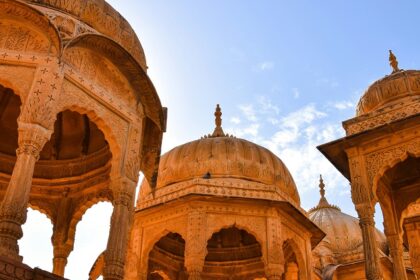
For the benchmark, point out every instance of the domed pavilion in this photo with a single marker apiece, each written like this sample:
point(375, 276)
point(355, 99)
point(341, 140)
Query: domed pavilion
point(79, 118)
point(223, 208)
point(340, 254)
point(380, 155)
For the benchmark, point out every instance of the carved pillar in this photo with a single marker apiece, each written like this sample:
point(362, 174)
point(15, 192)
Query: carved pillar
point(196, 244)
point(367, 225)
point(396, 251)
point(412, 229)
point(275, 256)
point(124, 190)
point(361, 194)
point(61, 241)
point(292, 271)
point(13, 209)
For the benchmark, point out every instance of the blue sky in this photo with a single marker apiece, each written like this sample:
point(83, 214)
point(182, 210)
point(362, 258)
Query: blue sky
point(286, 74)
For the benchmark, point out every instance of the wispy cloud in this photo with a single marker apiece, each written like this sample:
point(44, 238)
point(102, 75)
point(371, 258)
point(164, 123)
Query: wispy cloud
point(343, 105)
point(265, 65)
point(235, 120)
point(248, 111)
point(294, 137)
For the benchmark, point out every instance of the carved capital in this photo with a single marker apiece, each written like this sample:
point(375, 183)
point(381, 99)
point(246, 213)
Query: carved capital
point(123, 192)
point(32, 138)
point(366, 213)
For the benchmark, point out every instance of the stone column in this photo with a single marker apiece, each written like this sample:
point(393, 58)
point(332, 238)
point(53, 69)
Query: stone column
point(196, 244)
point(275, 255)
point(61, 253)
point(292, 271)
point(396, 251)
point(124, 192)
point(412, 228)
point(367, 224)
point(13, 209)
point(61, 240)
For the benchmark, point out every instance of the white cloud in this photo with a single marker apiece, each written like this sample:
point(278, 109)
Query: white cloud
point(235, 120)
point(248, 111)
point(266, 65)
point(294, 138)
point(343, 105)
point(266, 106)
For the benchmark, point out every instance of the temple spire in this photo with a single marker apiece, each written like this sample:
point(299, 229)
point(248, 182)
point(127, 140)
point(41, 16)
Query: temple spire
point(393, 62)
point(218, 131)
point(323, 201)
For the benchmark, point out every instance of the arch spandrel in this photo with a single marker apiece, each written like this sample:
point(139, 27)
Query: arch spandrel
point(144, 91)
point(21, 86)
point(32, 32)
point(100, 71)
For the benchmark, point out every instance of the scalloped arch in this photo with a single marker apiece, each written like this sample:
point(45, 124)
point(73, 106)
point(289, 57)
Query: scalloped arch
point(291, 242)
point(387, 166)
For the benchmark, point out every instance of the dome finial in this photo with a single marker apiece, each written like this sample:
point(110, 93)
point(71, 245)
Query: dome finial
point(323, 202)
point(218, 131)
point(393, 62)
point(321, 186)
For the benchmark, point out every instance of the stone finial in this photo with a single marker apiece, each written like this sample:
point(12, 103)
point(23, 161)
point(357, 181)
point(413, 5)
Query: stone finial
point(218, 131)
point(393, 62)
point(321, 186)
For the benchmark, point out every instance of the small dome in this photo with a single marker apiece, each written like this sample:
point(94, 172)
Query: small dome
point(343, 233)
point(220, 156)
point(392, 89)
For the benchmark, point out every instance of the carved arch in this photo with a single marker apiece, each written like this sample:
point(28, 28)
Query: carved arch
point(46, 212)
point(301, 262)
point(382, 161)
point(150, 243)
point(37, 19)
point(413, 209)
point(248, 226)
point(78, 215)
point(103, 124)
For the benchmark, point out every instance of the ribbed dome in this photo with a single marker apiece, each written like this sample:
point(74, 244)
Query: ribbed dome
point(343, 233)
point(401, 84)
point(219, 156)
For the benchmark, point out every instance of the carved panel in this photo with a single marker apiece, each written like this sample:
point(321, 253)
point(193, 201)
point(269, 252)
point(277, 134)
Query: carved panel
point(378, 160)
point(101, 71)
point(18, 37)
point(40, 106)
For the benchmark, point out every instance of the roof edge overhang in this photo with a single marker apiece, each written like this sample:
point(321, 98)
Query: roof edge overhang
point(335, 151)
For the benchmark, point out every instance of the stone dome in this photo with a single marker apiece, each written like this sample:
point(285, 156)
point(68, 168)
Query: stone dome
point(96, 14)
point(218, 157)
point(343, 233)
point(392, 89)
